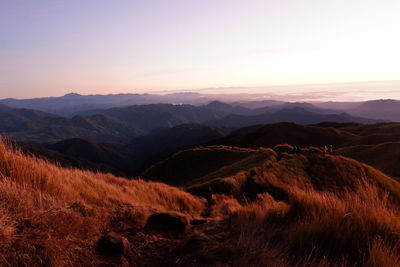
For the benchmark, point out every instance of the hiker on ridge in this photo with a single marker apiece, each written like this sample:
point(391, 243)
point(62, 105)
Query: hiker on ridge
point(324, 150)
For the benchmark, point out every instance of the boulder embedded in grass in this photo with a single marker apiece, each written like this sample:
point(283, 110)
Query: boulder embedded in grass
point(112, 245)
point(167, 222)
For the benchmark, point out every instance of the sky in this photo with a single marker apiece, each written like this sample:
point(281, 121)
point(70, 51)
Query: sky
point(53, 47)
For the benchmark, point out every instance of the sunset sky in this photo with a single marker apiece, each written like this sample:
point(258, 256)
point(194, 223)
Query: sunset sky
point(52, 47)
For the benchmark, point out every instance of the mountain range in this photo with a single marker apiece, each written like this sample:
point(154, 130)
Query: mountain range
point(366, 143)
point(127, 140)
point(121, 124)
point(73, 104)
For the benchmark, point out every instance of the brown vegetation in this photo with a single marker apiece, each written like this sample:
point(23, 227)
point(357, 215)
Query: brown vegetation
point(374, 144)
point(53, 216)
point(304, 209)
point(384, 156)
point(265, 208)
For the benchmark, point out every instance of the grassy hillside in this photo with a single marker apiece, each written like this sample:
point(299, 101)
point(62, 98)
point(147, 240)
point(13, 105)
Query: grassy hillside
point(206, 167)
point(264, 208)
point(384, 156)
point(295, 208)
point(367, 143)
point(188, 166)
point(50, 216)
point(285, 132)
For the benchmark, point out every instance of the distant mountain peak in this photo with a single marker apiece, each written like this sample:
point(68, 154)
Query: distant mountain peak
point(72, 95)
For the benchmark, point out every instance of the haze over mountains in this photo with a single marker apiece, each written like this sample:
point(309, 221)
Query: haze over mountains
point(110, 118)
point(84, 129)
point(72, 104)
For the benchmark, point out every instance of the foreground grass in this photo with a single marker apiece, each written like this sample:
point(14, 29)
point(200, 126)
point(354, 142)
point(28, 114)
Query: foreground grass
point(286, 210)
point(326, 219)
point(52, 216)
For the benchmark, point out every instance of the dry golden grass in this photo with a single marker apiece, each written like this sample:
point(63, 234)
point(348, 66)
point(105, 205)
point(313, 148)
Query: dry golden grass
point(52, 216)
point(201, 164)
point(359, 227)
point(310, 211)
point(289, 210)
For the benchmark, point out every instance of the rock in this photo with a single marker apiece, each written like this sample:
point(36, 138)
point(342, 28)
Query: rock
point(112, 245)
point(168, 222)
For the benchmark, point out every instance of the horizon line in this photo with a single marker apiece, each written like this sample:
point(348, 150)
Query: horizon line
point(199, 90)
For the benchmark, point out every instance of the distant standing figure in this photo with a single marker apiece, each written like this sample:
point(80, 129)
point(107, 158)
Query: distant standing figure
point(330, 149)
point(324, 150)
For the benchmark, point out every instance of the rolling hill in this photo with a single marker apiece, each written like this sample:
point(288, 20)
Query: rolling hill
point(143, 151)
point(117, 125)
point(33, 126)
point(296, 115)
point(115, 159)
point(387, 109)
point(359, 141)
point(64, 160)
point(282, 133)
point(154, 116)
point(263, 208)
point(126, 160)
point(121, 124)
point(208, 165)
point(162, 143)
point(187, 167)
point(383, 156)
point(86, 154)
point(13, 119)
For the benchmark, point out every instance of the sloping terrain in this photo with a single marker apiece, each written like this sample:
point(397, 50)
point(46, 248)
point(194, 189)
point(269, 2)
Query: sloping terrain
point(12, 119)
point(117, 125)
point(64, 160)
point(162, 143)
point(354, 140)
point(296, 114)
point(299, 209)
point(368, 129)
point(115, 159)
point(383, 156)
point(126, 160)
point(121, 124)
point(189, 167)
point(51, 216)
point(285, 133)
point(154, 116)
point(387, 109)
point(193, 165)
point(33, 126)
point(264, 208)
point(369, 143)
